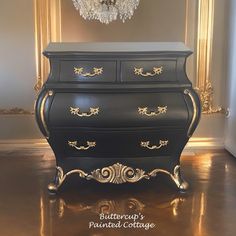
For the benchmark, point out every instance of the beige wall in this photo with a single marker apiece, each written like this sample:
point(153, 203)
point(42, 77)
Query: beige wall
point(17, 56)
point(154, 20)
point(17, 67)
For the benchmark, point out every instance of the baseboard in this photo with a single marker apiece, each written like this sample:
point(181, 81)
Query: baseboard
point(192, 145)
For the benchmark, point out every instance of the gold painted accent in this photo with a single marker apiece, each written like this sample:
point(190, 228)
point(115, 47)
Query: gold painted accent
point(42, 111)
point(92, 112)
point(206, 97)
point(15, 111)
point(144, 111)
point(47, 29)
point(146, 144)
point(188, 92)
point(118, 174)
point(75, 143)
point(96, 71)
point(156, 71)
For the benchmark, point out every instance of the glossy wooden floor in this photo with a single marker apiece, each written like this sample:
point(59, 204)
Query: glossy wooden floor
point(208, 209)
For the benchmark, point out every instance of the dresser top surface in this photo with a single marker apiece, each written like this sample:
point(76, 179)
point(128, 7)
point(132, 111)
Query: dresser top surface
point(116, 47)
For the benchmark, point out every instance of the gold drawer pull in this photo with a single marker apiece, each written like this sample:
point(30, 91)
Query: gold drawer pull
point(92, 111)
point(96, 71)
point(156, 71)
point(146, 144)
point(159, 110)
point(75, 143)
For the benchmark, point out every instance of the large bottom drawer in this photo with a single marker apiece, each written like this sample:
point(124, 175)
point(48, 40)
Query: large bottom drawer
point(113, 144)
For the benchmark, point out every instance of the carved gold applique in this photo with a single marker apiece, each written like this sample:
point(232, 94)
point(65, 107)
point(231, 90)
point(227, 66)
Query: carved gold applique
point(206, 96)
point(80, 70)
point(117, 174)
point(159, 111)
point(146, 144)
point(156, 71)
point(92, 111)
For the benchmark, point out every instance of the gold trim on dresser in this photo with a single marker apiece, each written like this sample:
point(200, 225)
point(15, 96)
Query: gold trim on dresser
point(156, 71)
point(92, 112)
point(74, 144)
point(159, 110)
point(188, 92)
point(80, 71)
point(117, 174)
point(146, 144)
point(42, 110)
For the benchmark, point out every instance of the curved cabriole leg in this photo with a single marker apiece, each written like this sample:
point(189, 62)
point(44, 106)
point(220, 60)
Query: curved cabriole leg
point(181, 184)
point(58, 180)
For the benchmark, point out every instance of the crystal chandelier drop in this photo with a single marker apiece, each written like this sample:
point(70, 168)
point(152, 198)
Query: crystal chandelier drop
point(106, 11)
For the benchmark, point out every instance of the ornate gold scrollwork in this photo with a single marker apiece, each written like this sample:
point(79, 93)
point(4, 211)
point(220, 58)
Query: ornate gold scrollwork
point(80, 70)
point(75, 143)
point(156, 71)
point(206, 97)
point(76, 111)
point(146, 144)
point(118, 174)
point(144, 111)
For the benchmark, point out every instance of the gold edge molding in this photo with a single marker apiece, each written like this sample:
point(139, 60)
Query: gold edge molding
point(188, 92)
point(42, 111)
point(15, 111)
point(117, 174)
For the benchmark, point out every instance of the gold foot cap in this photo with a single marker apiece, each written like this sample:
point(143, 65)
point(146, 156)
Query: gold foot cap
point(52, 188)
point(184, 186)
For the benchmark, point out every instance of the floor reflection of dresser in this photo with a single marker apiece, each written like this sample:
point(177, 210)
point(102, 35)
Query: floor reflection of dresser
point(117, 112)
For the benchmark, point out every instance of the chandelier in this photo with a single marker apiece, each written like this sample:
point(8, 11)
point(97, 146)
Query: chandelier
point(106, 11)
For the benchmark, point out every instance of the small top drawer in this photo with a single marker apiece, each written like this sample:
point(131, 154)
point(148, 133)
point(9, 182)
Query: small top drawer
point(149, 70)
point(87, 71)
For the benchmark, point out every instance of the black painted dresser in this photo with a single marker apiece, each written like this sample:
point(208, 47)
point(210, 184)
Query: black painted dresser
point(117, 112)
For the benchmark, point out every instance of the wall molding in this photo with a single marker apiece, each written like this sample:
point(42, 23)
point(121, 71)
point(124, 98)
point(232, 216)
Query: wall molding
point(47, 29)
point(15, 111)
point(205, 33)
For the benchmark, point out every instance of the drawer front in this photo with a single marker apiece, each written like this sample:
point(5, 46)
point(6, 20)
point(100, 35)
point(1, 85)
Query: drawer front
point(88, 71)
point(149, 71)
point(118, 144)
point(118, 110)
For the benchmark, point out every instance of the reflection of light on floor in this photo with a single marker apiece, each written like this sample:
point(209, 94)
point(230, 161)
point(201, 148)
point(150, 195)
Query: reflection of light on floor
point(226, 168)
point(175, 205)
point(202, 213)
point(41, 217)
point(198, 213)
